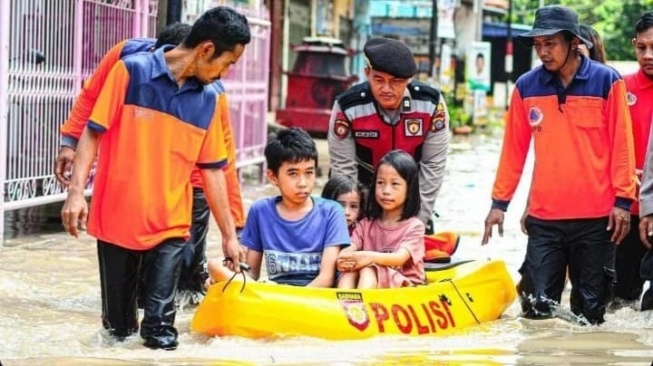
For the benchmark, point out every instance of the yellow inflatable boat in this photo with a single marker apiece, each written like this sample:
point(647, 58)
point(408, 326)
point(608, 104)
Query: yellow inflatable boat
point(457, 296)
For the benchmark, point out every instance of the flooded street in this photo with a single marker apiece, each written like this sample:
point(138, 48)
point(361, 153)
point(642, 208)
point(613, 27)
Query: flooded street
point(50, 302)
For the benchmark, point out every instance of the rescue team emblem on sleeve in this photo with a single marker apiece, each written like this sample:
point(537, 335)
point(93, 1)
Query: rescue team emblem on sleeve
point(354, 308)
point(438, 123)
point(631, 98)
point(535, 116)
point(413, 127)
point(341, 128)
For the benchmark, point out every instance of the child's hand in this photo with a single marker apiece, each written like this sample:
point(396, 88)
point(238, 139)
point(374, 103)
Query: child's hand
point(351, 261)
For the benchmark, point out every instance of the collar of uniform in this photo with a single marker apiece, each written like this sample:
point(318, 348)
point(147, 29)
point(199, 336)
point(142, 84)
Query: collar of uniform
point(583, 72)
point(407, 95)
point(160, 69)
point(643, 81)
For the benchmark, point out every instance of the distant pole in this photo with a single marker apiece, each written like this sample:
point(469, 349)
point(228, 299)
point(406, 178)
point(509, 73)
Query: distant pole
point(174, 12)
point(509, 53)
point(433, 38)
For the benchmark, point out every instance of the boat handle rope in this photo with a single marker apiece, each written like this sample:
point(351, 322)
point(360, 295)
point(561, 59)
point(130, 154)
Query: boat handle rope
point(463, 299)
point(244, 267)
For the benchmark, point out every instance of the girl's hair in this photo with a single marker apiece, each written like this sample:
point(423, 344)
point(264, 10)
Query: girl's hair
point(597, 52)
point(405, 165)
point(342, 184)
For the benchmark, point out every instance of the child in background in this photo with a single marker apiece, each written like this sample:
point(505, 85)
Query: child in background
point(387, 247)
point(349, 193)
point(299, 235)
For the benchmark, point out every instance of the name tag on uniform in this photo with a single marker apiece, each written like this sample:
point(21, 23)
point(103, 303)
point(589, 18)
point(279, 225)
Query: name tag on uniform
point(367, 134)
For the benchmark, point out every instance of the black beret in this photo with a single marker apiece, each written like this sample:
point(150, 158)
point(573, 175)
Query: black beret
point(391, 56)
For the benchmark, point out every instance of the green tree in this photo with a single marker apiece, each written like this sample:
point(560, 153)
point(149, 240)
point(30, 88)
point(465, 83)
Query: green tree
point(613, 19)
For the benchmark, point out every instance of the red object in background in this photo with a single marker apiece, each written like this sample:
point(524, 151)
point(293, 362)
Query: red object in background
point(317, 77)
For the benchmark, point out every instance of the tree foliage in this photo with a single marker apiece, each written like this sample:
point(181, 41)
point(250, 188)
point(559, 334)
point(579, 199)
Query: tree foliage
point(613, 19)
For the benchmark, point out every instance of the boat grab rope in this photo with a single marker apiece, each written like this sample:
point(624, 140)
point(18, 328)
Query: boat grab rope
point(463, 299)
point(243, 268)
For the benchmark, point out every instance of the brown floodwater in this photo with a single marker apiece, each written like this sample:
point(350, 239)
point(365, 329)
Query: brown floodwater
point(50, 301)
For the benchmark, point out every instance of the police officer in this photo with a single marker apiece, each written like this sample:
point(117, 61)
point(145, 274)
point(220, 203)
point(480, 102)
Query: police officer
point(390, 111)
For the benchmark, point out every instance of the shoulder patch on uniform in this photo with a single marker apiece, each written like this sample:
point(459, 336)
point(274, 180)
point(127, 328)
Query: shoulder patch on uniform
point(341, 128)
point(421, 91)
point(356, 95)
point(439, 118)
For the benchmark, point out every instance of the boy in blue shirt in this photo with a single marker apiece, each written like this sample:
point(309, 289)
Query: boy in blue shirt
point(299, 235)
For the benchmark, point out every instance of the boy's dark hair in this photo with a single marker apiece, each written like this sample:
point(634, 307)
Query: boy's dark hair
point(644, 23)
point(290, 145)
point(223, 26)
point(480, 55)
point(172, 34)
point(342, 184)
point(406, 167)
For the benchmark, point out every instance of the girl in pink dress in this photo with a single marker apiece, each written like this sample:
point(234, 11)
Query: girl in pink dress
point(387, 249)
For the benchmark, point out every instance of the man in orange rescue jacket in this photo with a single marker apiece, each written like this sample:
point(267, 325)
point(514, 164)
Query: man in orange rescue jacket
point(158, 117)
point(193, 273)
point(583, 181)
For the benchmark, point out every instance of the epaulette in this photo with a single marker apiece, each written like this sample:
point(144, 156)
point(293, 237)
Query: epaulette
point(421, 91)
point(356, 95)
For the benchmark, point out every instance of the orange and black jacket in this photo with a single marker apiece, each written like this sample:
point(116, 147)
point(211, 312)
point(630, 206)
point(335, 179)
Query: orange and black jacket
point(584, 151)
point(72, 129)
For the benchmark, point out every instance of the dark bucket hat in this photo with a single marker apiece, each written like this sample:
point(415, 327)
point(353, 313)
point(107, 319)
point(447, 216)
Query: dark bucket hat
point(552, 19)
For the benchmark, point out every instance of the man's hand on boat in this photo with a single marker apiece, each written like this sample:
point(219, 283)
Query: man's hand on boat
point(236, 254)
point(495, 217)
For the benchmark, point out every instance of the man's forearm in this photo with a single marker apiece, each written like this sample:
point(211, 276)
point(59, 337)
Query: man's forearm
point(215, 188)
point(84, 157)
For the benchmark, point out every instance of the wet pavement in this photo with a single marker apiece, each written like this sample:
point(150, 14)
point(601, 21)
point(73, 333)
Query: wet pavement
point(50, 302)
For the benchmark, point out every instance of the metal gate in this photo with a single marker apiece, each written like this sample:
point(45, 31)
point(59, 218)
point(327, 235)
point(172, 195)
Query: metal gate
point(47, 48)
point(247, 83)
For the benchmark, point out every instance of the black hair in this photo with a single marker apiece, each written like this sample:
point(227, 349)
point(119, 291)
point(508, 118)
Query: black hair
point(597, 51)
point(480, 55)
point(172, 34)
point(222, 26)
point(343, 184)
point(290, 145)
point(568, 35)
point(644, 22)
point(406, 166)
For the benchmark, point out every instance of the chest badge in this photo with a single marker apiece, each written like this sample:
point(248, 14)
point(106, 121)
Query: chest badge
point(535, 116)
point(631, 99)
point(414, 127)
